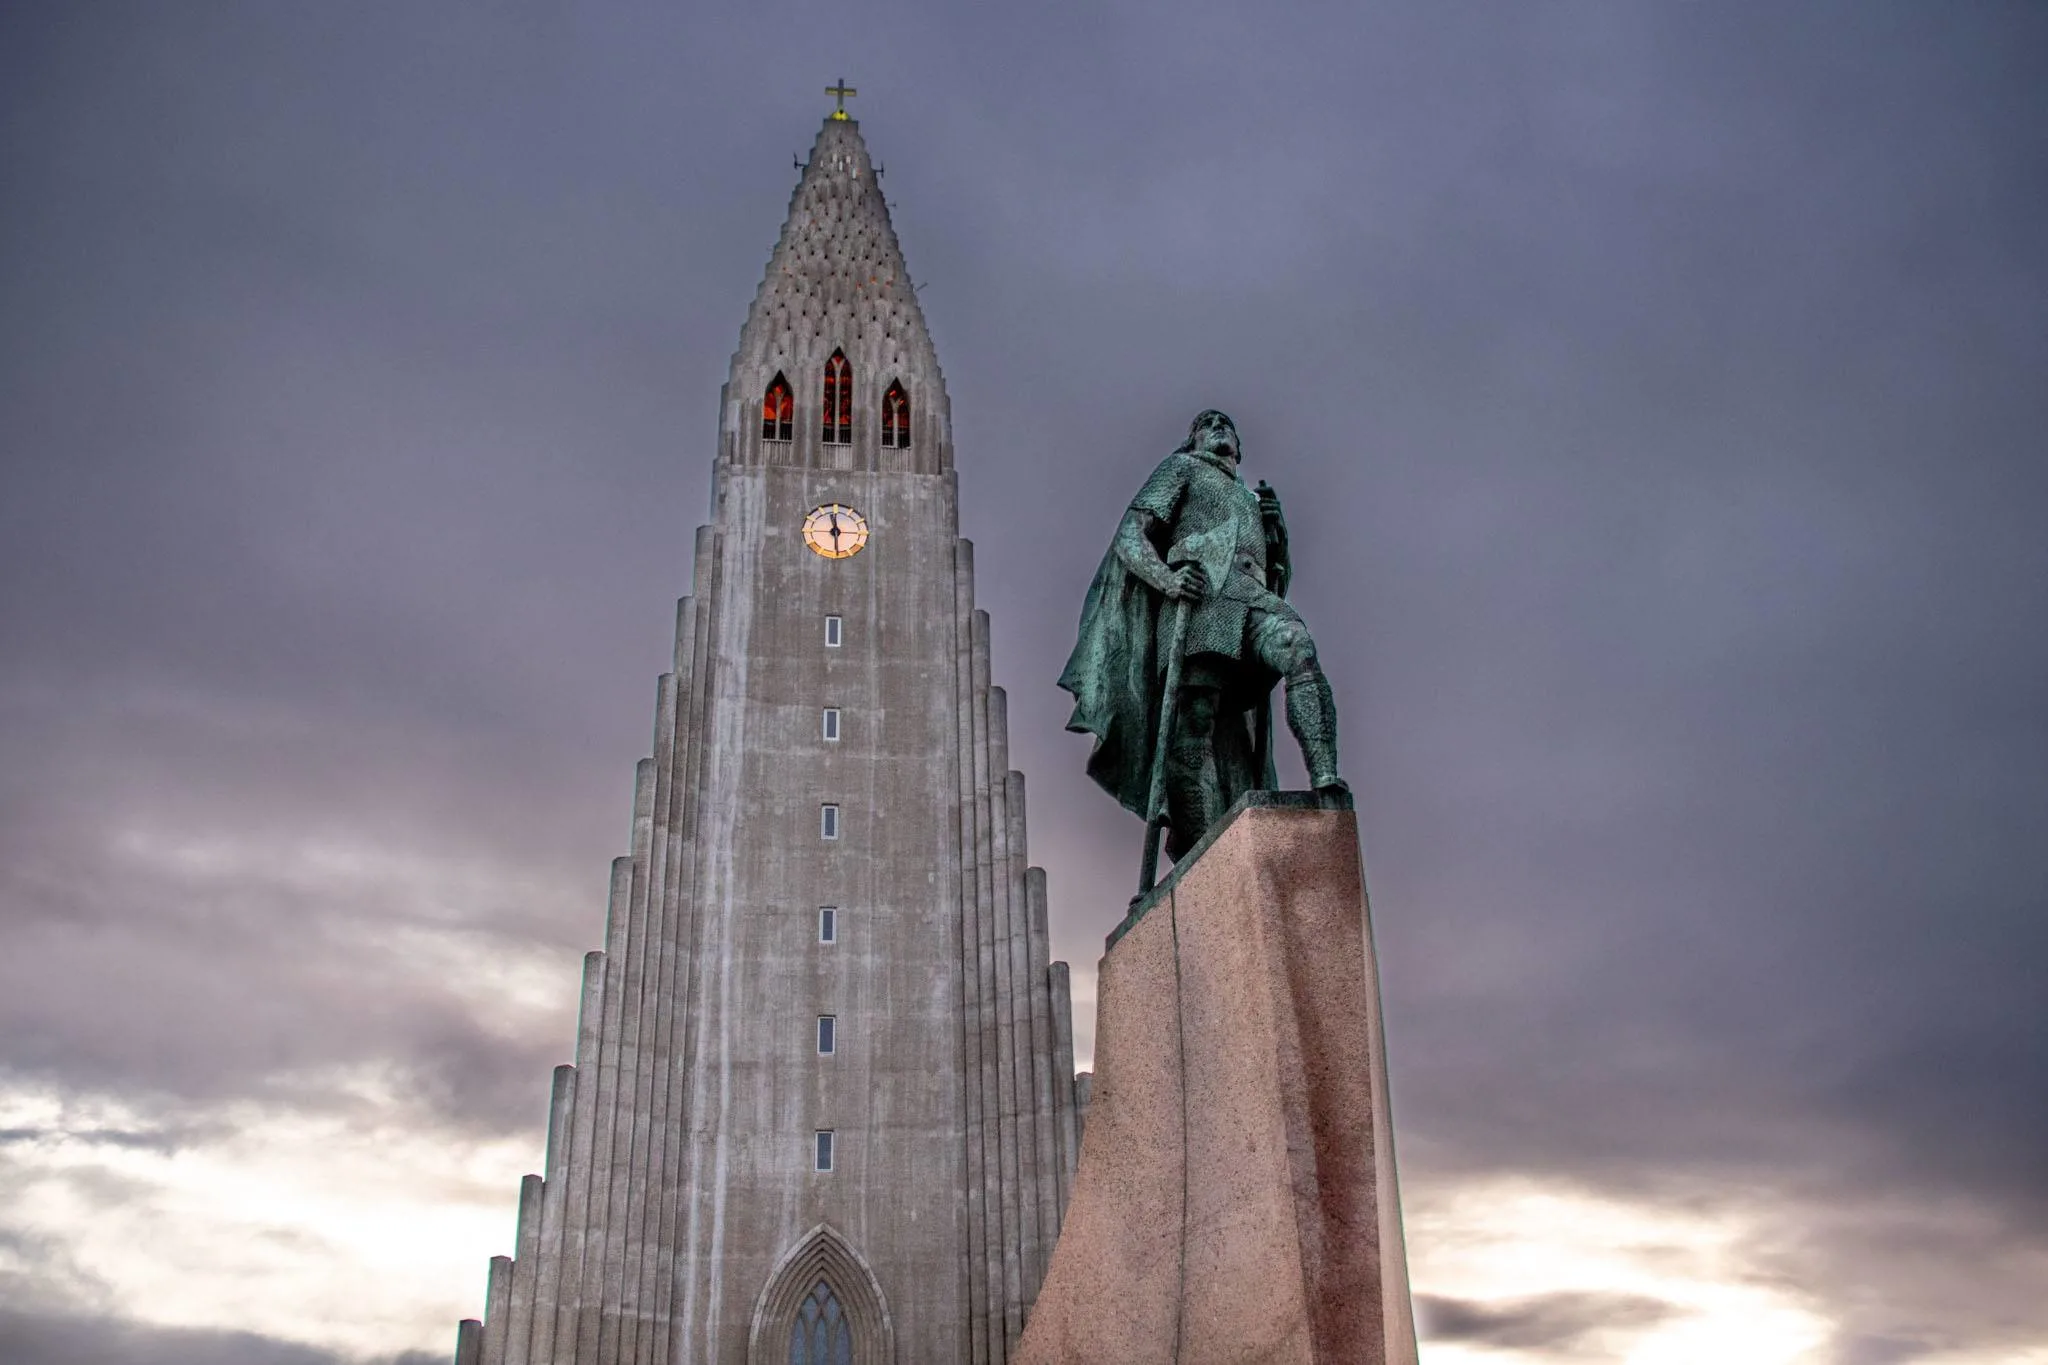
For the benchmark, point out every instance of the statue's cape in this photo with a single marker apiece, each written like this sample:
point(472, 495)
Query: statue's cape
point(1111, 674)
point(1115, 668)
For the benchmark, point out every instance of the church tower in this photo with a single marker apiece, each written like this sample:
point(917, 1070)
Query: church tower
point(822, 1107)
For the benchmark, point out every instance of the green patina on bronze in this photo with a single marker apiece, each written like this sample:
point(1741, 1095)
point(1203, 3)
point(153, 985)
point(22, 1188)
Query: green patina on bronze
point(1200, 559)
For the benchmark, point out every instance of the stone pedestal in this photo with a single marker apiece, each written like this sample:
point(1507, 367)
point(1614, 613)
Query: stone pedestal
point(1236, 1200)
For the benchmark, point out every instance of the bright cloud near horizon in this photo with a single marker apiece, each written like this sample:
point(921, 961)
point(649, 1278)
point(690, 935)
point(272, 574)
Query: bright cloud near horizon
point(1655, 393)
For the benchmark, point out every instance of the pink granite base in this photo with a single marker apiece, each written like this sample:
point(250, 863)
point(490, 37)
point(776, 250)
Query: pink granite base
point(1235, 1199)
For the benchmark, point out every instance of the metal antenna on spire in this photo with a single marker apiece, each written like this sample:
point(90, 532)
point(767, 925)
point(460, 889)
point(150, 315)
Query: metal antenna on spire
point(841, 91)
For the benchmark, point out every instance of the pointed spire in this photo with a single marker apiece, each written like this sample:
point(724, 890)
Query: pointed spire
point(836, 281)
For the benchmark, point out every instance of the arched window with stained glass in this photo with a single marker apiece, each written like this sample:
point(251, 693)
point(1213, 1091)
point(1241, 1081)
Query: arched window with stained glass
point(838, 401)
point(778, 411)
point(821, 1306)
point(896, 418)
point(821, 1335)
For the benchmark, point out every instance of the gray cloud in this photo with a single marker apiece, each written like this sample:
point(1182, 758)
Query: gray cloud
point(50, 1281)
point(56, 1339)
point(164, 1141)
point(1545, 1322)
point(182, 988)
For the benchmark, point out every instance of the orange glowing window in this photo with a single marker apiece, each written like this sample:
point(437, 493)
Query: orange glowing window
point(838, 401)
point(896, 418)
point(778, 411)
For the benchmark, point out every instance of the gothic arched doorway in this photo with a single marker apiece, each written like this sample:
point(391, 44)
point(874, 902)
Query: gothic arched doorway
point(821, 1306)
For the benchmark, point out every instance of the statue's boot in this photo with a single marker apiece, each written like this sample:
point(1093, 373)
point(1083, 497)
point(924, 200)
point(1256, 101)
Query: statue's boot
point(1312, 716)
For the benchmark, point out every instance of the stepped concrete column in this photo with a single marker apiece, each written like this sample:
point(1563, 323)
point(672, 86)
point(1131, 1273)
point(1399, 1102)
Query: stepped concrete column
point(497, 1312)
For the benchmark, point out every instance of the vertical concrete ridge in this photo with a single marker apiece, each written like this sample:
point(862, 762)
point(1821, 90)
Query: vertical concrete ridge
point(1018, 1004)
point(1043, 1052)
point(633, 1132)
point(626, 1083)
point(582, 1158)
point(655, 1186)
point(951, 866)
point(746, 503)
point(973, 1003)
point(469, 1342)
point(1063, 1090)
point(684, 1278)
point(625, 1078)
point(998, 1112)
point(554, 1195)
point(519, 1318)
point(651, 1153)
point(701, 1269)
point(618, 1074)
point(682, 972)
point(1017, 1218)
point(618, 947)
point(497, 1310)
point(985, 972)
point(644, 985)
point(686, 629)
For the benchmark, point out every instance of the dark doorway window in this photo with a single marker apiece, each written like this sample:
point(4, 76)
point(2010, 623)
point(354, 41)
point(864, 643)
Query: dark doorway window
point(778, 411)
point(821, 1334)
point(838, 401)
point(896, 418)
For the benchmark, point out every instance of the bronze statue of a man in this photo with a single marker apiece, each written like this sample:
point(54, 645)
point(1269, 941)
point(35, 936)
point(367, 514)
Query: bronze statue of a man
point(1199, 556)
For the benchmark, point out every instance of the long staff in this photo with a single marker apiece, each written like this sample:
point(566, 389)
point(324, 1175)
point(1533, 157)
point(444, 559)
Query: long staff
point(1169, 706)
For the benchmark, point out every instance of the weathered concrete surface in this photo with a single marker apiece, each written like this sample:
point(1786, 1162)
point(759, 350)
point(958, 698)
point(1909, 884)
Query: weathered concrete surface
point(1236, 1199)
point(679, 1186)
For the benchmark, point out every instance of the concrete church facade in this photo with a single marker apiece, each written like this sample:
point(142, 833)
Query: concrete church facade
point(823, 1102)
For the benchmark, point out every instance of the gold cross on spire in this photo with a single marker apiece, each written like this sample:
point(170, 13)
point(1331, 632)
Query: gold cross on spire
point(842, 90)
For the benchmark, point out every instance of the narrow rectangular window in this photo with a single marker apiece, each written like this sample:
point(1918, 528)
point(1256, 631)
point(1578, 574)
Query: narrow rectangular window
point(828, 1034)
point(832, 723)
point(828, 822)
point(831, 632)
point(828, 924)
point(821, 1160)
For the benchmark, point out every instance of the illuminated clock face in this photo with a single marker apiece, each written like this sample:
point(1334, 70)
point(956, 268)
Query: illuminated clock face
point(835, 530)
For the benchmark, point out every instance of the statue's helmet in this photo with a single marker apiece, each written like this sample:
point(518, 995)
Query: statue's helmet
point(1207, 421)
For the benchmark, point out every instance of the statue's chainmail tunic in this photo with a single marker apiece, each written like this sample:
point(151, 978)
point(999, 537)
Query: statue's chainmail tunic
point(1213, 519)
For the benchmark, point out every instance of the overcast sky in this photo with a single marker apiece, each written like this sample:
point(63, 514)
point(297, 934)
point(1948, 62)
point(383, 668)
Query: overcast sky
point(1659, 393)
